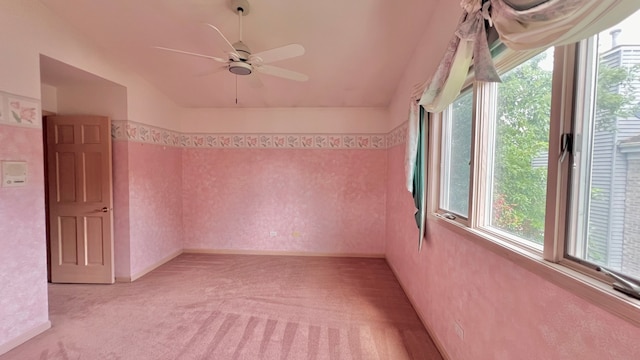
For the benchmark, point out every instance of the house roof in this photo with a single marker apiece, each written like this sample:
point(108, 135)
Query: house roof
point(631, 144)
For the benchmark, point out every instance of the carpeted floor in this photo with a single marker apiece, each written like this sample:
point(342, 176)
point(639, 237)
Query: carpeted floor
point(237, 307)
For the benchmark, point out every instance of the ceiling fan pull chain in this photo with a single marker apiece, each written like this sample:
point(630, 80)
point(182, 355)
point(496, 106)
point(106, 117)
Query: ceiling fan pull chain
point(236, 89)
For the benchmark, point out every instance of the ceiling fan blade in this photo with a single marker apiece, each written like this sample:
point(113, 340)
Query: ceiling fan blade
point(231, 48)
point(277, 54)
point(192, 54)
point(212, 71)
point(254, 81)
point(280, 72)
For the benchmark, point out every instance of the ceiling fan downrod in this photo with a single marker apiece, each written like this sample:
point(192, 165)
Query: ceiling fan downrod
point(240, 67)
point(240, 12)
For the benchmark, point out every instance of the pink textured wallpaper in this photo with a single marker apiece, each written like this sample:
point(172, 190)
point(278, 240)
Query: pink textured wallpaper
point(23, 263)
point(318, 201)
point(121, 223)
point(155, 203)
point(503, 309)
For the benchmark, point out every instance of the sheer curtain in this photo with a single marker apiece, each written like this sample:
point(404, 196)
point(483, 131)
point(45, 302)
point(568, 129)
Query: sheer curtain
point(521, 25)
point(420, 173)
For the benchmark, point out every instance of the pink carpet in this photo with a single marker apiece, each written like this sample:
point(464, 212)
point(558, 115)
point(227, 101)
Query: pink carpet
point(237, 307)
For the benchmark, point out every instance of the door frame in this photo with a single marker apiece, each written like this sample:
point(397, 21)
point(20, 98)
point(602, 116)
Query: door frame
point(45, 154)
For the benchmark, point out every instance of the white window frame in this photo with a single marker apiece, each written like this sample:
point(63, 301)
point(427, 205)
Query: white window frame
point(438, 130)
point(549, 261)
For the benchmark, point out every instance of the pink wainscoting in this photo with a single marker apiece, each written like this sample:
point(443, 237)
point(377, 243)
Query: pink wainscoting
point(23, 263)
point(121, 223)
point(155, 204)
point(318, 201)
point(506, 312)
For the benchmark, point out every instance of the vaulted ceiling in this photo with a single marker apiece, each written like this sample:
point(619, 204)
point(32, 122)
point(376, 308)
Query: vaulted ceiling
point(355, 50)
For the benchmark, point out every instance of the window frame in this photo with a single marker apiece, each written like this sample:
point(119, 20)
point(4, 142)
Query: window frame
point(486, 104)
point(581, 58)
point(551, 262)
point(438, 132)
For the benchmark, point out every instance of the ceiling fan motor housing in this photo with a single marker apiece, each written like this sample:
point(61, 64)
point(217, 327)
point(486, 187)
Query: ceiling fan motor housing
point(241, 66)
point(242, 50)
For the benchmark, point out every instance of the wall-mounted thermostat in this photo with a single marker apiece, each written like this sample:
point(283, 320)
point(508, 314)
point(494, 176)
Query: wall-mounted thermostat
point(14, 173)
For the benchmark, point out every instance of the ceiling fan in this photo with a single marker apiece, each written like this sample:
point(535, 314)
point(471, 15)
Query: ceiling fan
point(242, 62)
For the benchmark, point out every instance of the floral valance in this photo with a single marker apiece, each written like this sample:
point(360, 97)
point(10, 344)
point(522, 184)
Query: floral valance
point(521, 25)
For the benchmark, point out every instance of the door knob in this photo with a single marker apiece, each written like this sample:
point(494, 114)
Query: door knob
point(105, 209)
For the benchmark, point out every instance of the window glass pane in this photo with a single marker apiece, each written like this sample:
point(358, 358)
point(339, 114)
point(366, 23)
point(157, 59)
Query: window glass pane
point(456, 155)
point(605, 201)
point(518, 171)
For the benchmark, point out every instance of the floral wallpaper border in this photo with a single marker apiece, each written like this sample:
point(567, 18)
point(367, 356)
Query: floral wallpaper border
point(398, 135)
point(133, 131)
point(19, 110)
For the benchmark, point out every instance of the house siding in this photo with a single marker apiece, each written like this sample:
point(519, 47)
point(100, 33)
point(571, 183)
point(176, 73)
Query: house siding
point(631, 257)
point(608, 177)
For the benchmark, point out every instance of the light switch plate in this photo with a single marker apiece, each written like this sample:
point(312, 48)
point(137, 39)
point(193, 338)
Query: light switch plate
point(14, 173)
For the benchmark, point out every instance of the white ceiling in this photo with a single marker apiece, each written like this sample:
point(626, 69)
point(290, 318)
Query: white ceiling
point(355, 49)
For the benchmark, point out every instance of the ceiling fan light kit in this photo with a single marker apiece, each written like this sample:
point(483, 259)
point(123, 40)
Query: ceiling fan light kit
point(240, 60)
point(240, 68)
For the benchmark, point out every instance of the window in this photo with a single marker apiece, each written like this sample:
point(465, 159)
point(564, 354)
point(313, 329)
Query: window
point(456, 156)
point(519, 143)
point(605, 177)
point(545, 166)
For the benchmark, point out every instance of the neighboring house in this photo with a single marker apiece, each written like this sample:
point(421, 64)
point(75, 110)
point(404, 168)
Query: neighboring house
point(630, 149)
point(614, 231)
point(610, 170)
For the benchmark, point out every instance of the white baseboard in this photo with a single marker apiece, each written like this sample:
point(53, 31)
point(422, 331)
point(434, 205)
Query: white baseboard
point(20, 339)
point(432, 334)
point(149, 268)
point(280, 253)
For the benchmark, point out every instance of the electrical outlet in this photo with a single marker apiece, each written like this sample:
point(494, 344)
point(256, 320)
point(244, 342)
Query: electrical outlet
point(296, 234)
point(458, 329)
point(273, 233)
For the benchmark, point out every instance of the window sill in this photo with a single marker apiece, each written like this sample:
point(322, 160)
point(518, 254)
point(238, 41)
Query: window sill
point(590, 289)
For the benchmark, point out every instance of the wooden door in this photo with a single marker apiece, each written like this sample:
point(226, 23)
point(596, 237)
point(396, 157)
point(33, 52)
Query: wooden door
point(80, 199)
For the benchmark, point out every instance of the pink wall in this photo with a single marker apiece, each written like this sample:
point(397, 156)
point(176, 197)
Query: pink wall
point(147, 205)
point(23, 274)
point(318, 201)
point(440, 25)
point(506, 312)
point(121, 212)
point(155, 188)
point(324, 120)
